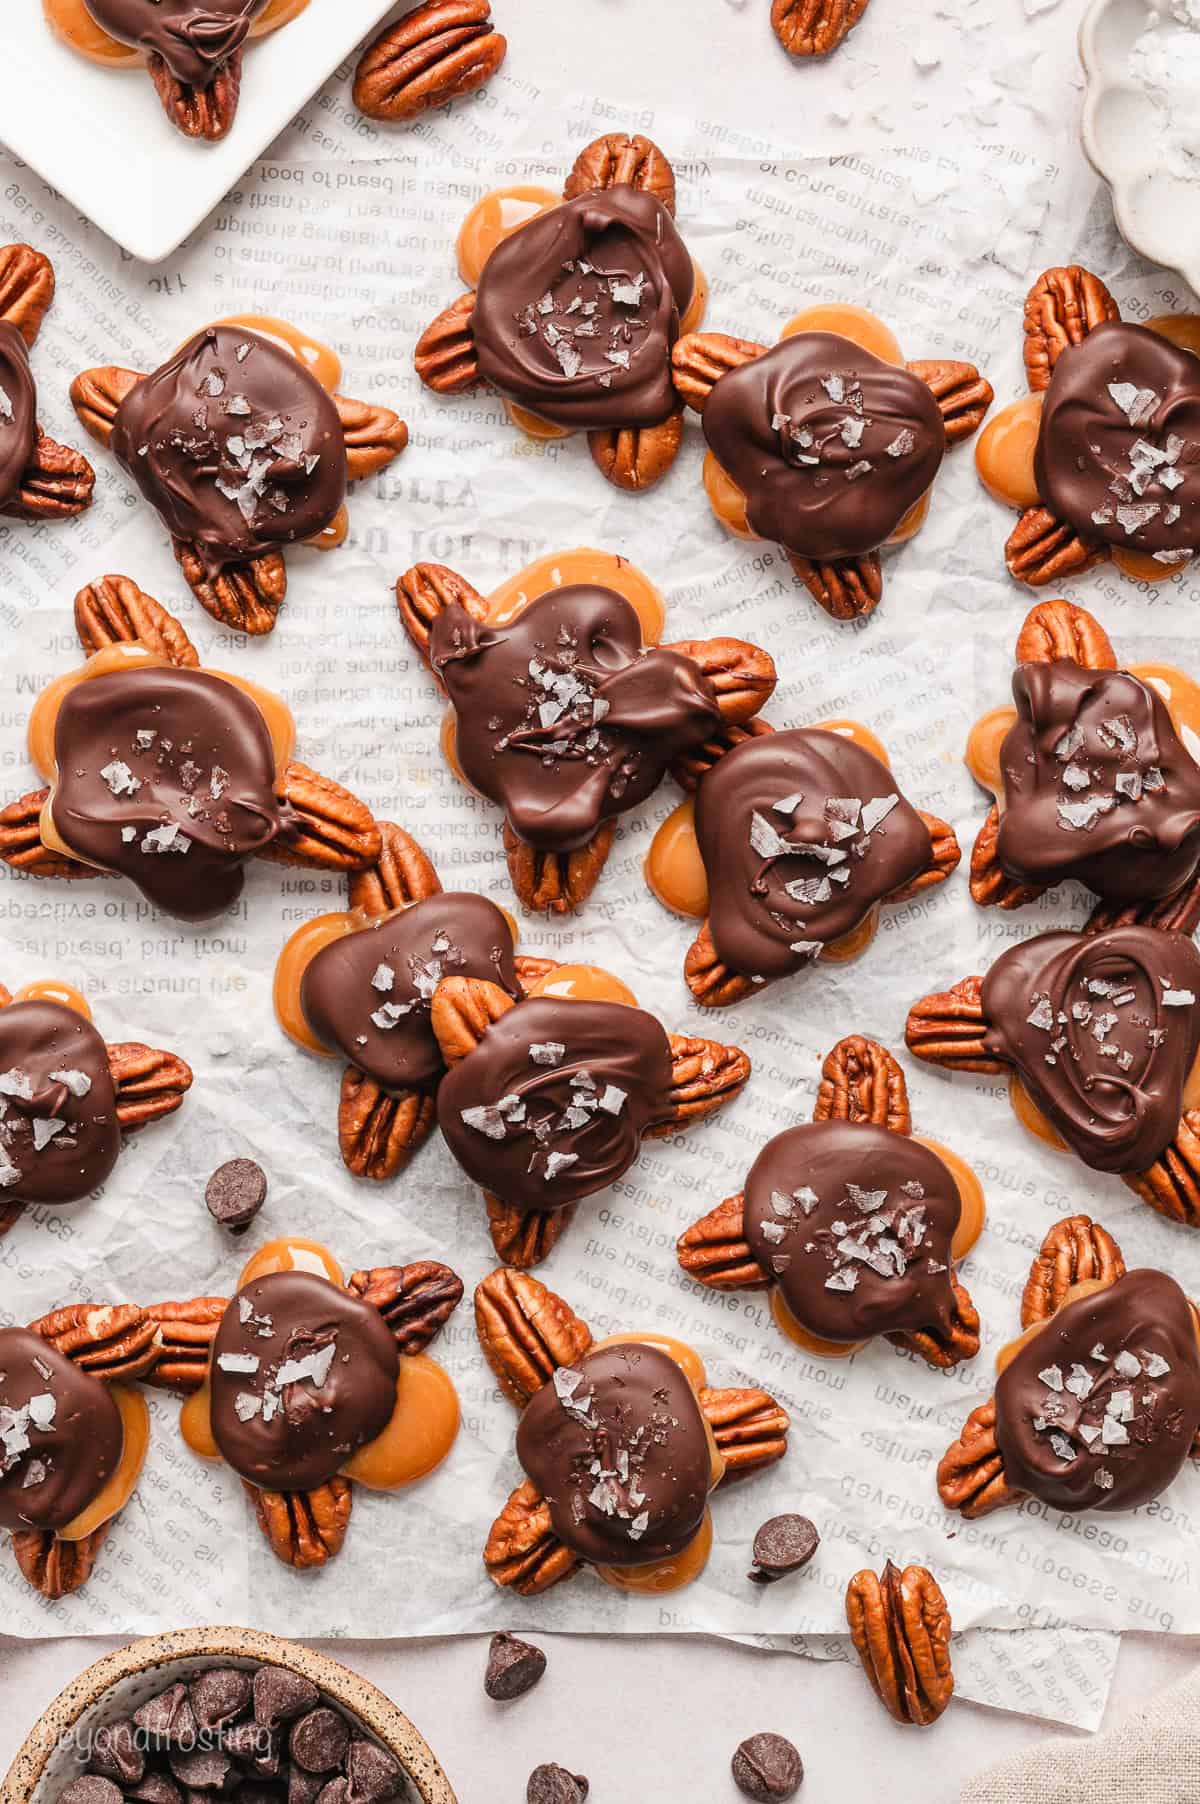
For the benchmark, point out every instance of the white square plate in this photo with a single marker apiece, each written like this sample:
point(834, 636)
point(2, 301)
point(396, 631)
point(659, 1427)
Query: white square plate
point(100, 136)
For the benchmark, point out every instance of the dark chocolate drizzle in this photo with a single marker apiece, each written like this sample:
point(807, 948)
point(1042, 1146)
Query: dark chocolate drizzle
point(617, 1445)
point(775, 897)
point(59, 1134)
point(199, 752)
point(61, 1434)
point(562, 717)
point(830, 445)
point(369, 995)
point(1103, 1029)
point(18, 411)
point(296, 1435)
point(195, 38)
point(235, 445)
point(553, 1102)
point(854, 1224)
point(576, 313)
point(1120, 467)
point(1099, 1409)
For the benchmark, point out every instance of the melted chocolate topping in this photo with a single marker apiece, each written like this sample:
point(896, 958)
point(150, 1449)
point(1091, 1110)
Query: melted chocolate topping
point(59, 1135)
point(576, 313)
point(303, 1374)
point(1097, 785)
point(854, 1224)
point(61, 1435)
point(18, 411)
point(562, 717)
point(801, 834)
point(830, 445)
point(195, 38)
point(167, 777)
point(1119, 442)
point(1099, 1409)
point(369, 995)
point(235, 445)
point(617, 1445)
point(553, 1102)
point(1103, 1029)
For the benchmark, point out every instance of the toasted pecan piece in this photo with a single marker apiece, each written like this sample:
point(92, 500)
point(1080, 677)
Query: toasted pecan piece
point(990, 884)
point(693, 764)
point(711, 982)
point(416, 1301)
point(900, 1626)
point(149, 1083)
point(1060, 629)
point(53, 1567)
point(206, 112)
point(462, 1011)
point(952, 1347)
point(523, 1553)
point(861, 1081)
point(26, 288)
point(808, 28)
point(378, 1133)
point(705, 1075)
point(531, 970)
point(749, 1427)
point(114, 611)
point(427, 590)
point(186, 1332)
point(525, 1237)
point(526, 1332)
point(1172, 1184)
point(715, 1251)
point(847, 588)
point(636, 457)
point(330, 829)
point(446, 359)
point(55, 484)
point(115, 1342)
point(374, 436)
point(557, 882)
point(1076, 1250)
point(619, 159)
point(742, 675)
point(304, 1528)
point(700, 359)
point(402, 874)
point(962, 394)
point(22, 846)
point(246, 596)
point(96, 395)
point(945, 855)
point(439, 52)
point(1061, 308)
point(949, 1028)
point(1042, 548)
point(970, 1474)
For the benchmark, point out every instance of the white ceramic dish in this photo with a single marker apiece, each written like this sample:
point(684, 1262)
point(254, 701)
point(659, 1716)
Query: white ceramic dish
point(101, 138)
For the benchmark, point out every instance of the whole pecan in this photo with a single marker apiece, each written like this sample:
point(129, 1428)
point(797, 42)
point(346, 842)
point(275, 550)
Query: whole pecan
point(1172, 1184)
point(304, 1528)
point(990, 884)
point(742, 675)
point(436, 53)
point(749, 1427)
point(1042, 548)
point(26, 288)
point(55, 484)
point(416, 1301)
point(900, 1626)
point(331, 830)
point(1076, 1250)
point(524, 1237)
point(1060, 629)
point(945, 856)
point(523, 1553)
point(700, 359)
point(53, 1567)
point(705, 1075)
point(149, 1083)
point(948, 1347)
point(526, 1332)
point(402, 874)
point(1061, 308)
point(557, 882)
point(463, 1009)
point(691, 765)
point(861, 1081)
point(115, 1342)
point(711, 982)
point(206, 112)
point(427, 590)
point(962, 394)
point(715, 1252)
point(186, 1332)
point(96, 395)
point(621, 160)
point(114, 611)
point(948, 1028)
point(848, 588)
point(636, 457)
point(445, 358)
point(379, 1133)
point(970, 1474)
point(374, 436)
point(246, 597)
point(21, 843)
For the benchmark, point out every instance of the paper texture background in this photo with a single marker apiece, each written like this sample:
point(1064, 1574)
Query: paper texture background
point(356, 242)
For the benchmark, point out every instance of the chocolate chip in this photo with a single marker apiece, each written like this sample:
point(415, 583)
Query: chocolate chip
point(168, 1717)
point(336, 1792)
point(303, 1787)
point(89, 1788)
point(155, 1788)
point(235, 1193)
point(514, 1667)
point(555, 1785)
point(202, 1769)
point(766, 1768)
point(255, 1746)
point(372, 1774)
point(280, 1695)
point(782, 1545)
point(319, 1740)
point(116, 1753)
point(219, 1696)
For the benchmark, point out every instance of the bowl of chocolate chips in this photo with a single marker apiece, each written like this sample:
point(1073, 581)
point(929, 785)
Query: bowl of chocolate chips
point(223, 1716)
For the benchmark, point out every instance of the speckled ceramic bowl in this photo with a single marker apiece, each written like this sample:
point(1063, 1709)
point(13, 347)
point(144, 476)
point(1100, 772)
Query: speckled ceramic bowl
point(121, 1682)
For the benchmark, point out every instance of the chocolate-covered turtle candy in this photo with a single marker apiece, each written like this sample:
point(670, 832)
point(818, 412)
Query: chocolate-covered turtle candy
point(40, 480)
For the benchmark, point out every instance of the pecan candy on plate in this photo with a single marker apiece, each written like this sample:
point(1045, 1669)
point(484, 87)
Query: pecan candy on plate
point(1099, 1033)
point(566, 708)
point(854, 1223)
point(900, 1625)
point(1093, 779)
point(1100, 457)
point(191, 49)
point(130, 792)
point(575, 301)
point(622, 1441)
point(827, 443)
point(67, 1098)
point(813, 28)
point(438, 52)
point(786, 851)
point(1097, 1404)
point(40, 480)
point(307, 1383)
point(243, 447)
point(547, 1100)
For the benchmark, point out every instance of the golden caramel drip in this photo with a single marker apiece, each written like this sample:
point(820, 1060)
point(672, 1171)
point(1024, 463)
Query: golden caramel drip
point(292, 1253)
point(73, 23)
point(1030, 1116)
point(583, 983)
point(493, 219)
point(673, 866)
point(658, 1577)
point(298, 953)
point(912, 522)
point(982, 756)
point(1183, 329)
point(858, 324)
point(135, 1419)
point(1141, 567)
point(685, 1357)
point(423, 1429)
point(52, 989)
point(858, 734)
point(582, 564)
point(1004, 453)
point(811, 1343)
point(322, 363)
point(697, 307)
point(533, 425)
point(195, 1424)
point(727, 500)
point(333, 535)
point(970, 1196)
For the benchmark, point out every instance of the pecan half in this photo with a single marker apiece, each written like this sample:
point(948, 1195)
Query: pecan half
point(900, 1626)
point(26, 288)
point(1042, 548)
point(21, 843)
point(700, 359)
point(55, 484)
point(427, 590)
point(1061, 308)
point(814, 27)
point(149, 1083)
point(749, 1427)
point(1059, 629)
point(636, 457)
point(970, 1474)
point(445, 358)
point(434, 54)
point(691, 765)
point(861, 1081)
point(1179, 913)
point(715, 1252)
point(115, 1342)
point(990, 884)
point(705, 1075)
point(531, 970)
point(1076, 1250)
point(53, 1567)
point(526, 1332)
point(330, 830)
point(743, 675)
point(378, 1133)
point(205, 112)
point(848, 588)
point(246, 597)
point(948, 1028)
point(523, 1553)
point(524, 1237)
point(374, 436)
point(462, 1011)
point(962, 394)
point(304, 1528)
point(620, 160)
point(557, 882)
point(951, 1347)
point(945, 855)
point(416, 1301)
point(96, 395)
point(711, 982)
point(402, 874)
point(114, 611)
point(1172, 1184)
point(186, 1332)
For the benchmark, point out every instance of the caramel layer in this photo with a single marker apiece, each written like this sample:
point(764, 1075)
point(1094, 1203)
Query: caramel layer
point(135, 1418)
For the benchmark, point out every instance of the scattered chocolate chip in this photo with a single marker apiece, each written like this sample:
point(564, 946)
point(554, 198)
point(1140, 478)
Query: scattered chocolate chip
point(319, 1740)
point(303, 1787)
point(155, 1788)
point(235, 1193)
point(90, 1788)
point(514, 1667)
point(766, 1768)
point(782, 1545)
point(280, 1695)
point(555, 1785)
point(371, 1774)
point(116, 1753)
point(168, 1717)
point(201, 1769)
point(219, 1696)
